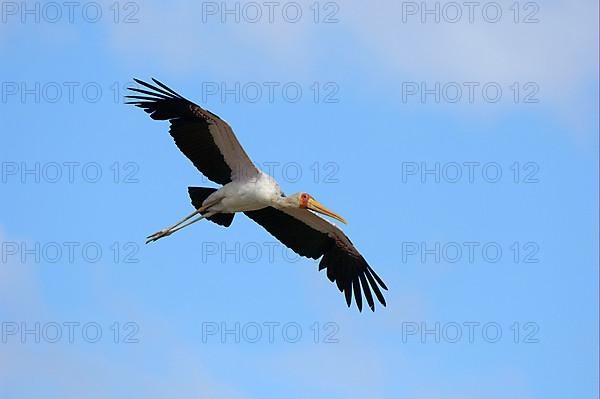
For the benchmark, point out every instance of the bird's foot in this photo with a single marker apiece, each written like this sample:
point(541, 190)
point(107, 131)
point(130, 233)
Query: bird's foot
point(159, 234)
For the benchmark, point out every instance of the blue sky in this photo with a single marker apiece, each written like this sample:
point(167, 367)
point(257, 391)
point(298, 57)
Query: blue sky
point(480, 211)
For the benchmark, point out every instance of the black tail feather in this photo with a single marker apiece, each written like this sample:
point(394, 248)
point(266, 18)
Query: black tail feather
point(199, 194)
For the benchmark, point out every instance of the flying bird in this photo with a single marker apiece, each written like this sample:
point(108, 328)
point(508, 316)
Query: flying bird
point(209, 142)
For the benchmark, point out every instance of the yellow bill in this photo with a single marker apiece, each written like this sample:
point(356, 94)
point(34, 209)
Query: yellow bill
point(316, 206)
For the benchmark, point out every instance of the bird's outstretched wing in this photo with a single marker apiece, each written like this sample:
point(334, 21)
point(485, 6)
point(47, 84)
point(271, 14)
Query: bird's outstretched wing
point(312, 236)
point(202, 136)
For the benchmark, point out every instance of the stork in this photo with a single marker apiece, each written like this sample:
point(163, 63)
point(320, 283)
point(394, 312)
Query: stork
point(209, 142)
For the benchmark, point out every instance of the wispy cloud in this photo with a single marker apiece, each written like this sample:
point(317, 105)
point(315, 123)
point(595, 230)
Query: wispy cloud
point(65, 369)
point(558, 53)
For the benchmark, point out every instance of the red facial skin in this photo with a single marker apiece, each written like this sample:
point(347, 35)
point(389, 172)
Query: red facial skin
point(304, 200)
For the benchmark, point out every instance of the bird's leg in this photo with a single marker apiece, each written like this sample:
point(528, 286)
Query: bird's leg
point(171, 229)
point(207, 215)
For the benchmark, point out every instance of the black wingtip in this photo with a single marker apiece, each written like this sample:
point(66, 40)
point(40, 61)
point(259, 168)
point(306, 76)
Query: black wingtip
point(348, 294)
point(138, 81)
point(366, 289)
point(379, 280)
point(357, 293)
point(164, 86)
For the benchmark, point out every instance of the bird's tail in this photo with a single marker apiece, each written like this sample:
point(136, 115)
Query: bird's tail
point(199, 194)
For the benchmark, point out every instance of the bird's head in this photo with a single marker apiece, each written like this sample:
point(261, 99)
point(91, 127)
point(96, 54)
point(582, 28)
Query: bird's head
point(306, 201)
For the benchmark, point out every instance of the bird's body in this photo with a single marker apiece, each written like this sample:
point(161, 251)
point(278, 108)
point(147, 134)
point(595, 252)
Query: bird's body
point(243, 195)
point(210, 144)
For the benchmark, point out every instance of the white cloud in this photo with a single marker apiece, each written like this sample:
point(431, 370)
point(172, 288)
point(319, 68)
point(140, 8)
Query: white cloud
point(559, 48)
point(184, 44)
point(559, 53)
